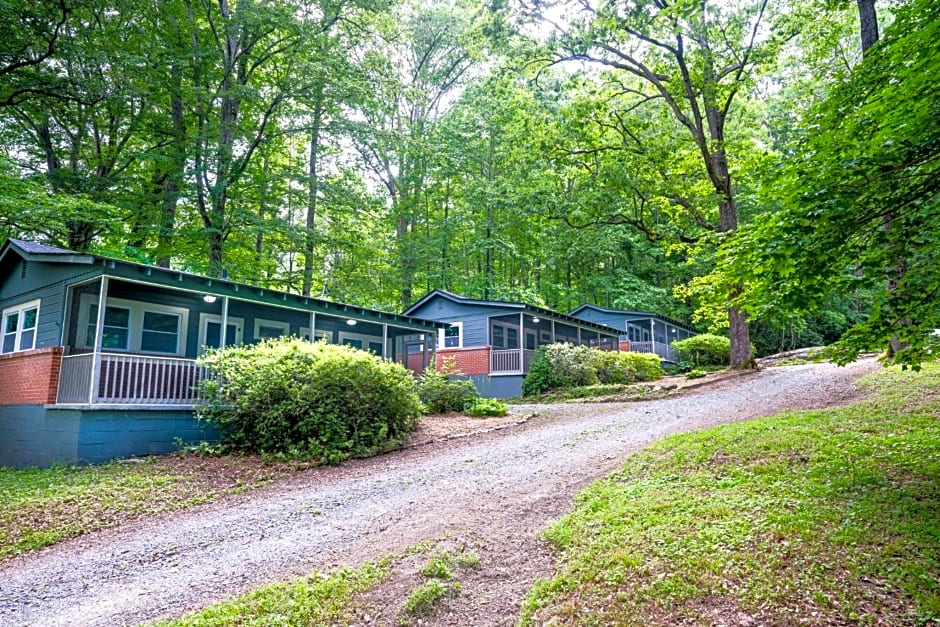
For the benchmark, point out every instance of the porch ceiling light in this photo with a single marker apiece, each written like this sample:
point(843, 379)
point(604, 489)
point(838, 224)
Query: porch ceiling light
point(209, 298)
point(535, 319)
point(351, 322)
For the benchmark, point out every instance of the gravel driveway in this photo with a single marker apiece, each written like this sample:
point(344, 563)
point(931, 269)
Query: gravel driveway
point(495, 490)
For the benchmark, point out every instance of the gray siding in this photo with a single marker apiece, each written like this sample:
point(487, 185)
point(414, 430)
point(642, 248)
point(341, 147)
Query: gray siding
point(474, 317)
point(34, 435)
point(31, 280)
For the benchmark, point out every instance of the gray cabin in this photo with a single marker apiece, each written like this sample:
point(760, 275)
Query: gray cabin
point(493, 342)
point(81, 383)
point(641, 331)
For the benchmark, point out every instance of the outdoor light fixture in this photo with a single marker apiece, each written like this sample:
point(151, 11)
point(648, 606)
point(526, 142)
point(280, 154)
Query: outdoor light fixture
point(351, 322)
point(209, 298)
point(535, 320)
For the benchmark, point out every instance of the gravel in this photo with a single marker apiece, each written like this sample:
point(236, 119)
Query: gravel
point(494, 491)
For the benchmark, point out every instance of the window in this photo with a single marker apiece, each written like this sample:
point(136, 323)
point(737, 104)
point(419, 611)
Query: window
point(352, 342)
point(375, 348)
point(160, 333)
point(116, 331)
point(267, 329)
point(451, 337)
point(499, 337)
point(512, 337)
point(133, 326)
point(19, 327)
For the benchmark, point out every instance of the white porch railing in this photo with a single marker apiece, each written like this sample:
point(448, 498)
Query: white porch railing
point(129, 380)
point(511, 361)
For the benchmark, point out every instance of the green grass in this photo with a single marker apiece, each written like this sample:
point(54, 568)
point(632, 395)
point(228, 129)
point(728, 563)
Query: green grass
point(823, 516)
point(39, 507)
point(315, 600)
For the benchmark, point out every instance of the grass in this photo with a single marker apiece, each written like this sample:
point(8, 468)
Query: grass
point(316, 600)
point(39, 507)
point(823, 517)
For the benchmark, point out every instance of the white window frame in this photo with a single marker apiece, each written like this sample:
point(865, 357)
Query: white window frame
point(260, 322)
point(362, 337)
point(320, 335)
point(442, 339)
point(19, 310)
point(135, 323)
point(206, 318)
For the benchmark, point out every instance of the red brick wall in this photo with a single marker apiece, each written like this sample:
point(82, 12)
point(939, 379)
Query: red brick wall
point(625, 345)
point(30, 377)
point(467, 360)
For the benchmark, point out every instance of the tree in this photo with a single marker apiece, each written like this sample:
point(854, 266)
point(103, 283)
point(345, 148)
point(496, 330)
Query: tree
point(869, 151)
point(692, 60)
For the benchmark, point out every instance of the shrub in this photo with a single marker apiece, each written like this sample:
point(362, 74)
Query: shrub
point(290, 397)
point(486, 407)
point(704, 350)
point(441, 393)
point(559, 366)
point(615, 367)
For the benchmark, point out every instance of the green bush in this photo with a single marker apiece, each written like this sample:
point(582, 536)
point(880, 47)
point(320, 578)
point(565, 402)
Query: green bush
point(486, 407)
point(322, 401)
point(704, 350)
point(614, 367)
point(440, 393)
point(559, 366)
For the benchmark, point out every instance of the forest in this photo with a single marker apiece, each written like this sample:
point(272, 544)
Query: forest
point(763, 168)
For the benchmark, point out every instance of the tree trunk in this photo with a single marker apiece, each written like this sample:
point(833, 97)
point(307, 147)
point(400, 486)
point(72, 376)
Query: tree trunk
point(313, 191)
point(868, 19)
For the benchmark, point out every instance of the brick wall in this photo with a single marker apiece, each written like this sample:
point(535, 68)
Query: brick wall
point(30, 377)
point(467, 360)
point(625, 345)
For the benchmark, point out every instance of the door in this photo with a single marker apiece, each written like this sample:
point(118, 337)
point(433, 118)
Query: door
point(210, 326)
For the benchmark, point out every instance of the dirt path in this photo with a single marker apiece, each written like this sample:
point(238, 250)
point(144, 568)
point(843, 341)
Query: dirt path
point(494, 492)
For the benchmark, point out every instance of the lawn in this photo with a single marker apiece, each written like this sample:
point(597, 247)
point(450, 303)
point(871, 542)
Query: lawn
point(39, 507)
point(820, 517)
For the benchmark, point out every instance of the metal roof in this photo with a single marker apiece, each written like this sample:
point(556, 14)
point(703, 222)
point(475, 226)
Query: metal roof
point(513, 305)
point(629, 312)
point(177, 279)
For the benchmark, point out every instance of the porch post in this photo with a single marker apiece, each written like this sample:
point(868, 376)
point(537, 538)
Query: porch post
point(427, 340)
point(313, 326)
point(99, 327)
point(553, 331)
point(652, 336)
point(384, 341)
point(223, 332)
point(522, 341)
point(579, 337)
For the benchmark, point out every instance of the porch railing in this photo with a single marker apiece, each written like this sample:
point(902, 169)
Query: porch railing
point(511, 361)
point(129, 380)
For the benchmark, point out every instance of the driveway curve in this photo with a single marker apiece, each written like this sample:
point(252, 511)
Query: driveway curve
point(499, 489)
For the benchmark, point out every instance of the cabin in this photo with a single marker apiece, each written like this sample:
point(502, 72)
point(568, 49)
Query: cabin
point(640, 331)
point(493, 342)
point(98, 355)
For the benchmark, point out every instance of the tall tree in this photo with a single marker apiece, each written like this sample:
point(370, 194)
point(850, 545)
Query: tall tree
point(693, 60)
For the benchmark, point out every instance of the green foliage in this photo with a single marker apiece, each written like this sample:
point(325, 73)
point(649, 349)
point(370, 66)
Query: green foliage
point(425, 598)
point(704, 350)
point(486, 407)
point(314, 600)
point(444, 391)
point(302, 399)
point(559, 366)
point(859, 201)
point(619, 367)
point(833, 509)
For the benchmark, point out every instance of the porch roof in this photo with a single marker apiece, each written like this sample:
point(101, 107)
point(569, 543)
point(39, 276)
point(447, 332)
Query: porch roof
point(522, 307)
point(189, 282)
point(634, 314)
